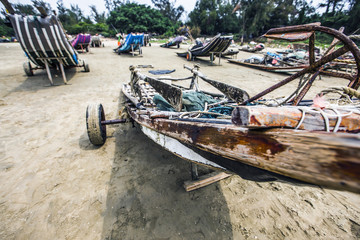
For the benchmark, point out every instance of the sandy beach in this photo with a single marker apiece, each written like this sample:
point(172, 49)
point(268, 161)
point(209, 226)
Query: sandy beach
point(54, 184)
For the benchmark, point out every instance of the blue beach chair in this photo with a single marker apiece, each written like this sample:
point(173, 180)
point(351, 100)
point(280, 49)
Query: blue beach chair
point(132, 43)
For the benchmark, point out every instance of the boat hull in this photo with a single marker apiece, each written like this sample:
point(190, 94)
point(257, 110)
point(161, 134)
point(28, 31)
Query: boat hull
point(319, 158)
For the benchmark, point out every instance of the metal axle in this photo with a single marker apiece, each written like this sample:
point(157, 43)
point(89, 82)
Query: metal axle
point(115, 121)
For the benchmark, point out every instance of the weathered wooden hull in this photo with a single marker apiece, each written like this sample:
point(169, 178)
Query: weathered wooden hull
point(330, 160)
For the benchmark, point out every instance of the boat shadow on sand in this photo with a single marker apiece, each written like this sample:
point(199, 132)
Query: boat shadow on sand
point(146, 198)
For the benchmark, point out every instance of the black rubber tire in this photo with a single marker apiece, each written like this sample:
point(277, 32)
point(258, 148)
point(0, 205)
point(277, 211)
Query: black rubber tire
point(92, 44)
point(189, 56)
point(27, 69)
point(86, 67)
point(95, 130)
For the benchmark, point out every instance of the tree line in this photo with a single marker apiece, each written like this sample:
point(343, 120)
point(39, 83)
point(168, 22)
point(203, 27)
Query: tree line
point(253, 17)
point(248, 18)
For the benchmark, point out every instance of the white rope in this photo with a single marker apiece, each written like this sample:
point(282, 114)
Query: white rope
point(303, 112)
point(339, 116)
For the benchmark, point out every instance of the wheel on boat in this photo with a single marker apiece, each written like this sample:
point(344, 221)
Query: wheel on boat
point(95, 130)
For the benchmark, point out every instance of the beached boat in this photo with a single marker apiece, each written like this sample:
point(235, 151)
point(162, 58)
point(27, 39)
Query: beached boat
point(269, 68)
point(290, 137)
point(282, 62)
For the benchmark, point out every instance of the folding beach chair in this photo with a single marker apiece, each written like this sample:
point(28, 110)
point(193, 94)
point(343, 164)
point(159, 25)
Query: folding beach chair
point(96, 41)
point(132, 43)
point(175, 42)
point(82, 41)
point(216, 47)
point(147, 40)
point(44, 42)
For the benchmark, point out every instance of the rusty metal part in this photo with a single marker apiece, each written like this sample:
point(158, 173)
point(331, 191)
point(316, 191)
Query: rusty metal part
point(309, 69)
point(337, 34)
point(334, 43)
point(337, 74)
point(286, 33)
point(114, 121)
point(349, 45)
point(312, 49)
point(305, 89)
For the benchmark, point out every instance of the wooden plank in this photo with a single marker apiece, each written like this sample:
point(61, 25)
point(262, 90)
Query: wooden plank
point(171, 93)
point(234, 93)
point(205, 180)
point(266, 117)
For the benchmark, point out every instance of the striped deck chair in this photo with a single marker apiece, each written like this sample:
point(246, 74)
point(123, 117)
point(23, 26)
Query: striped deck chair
point(44, 42)
point(132, 43)
point(215, 47)
point(82, 41)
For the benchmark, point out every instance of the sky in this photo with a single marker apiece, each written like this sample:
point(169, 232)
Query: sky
point(100, 4)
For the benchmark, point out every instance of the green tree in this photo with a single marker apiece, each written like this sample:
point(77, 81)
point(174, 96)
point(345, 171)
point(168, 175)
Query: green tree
point(354, 17)
point(134, 17)
point(98, 17)
point(112, 4)
point(303, 13)
point(43, 4)
point(24, 9)
point(213, 16)
point(5, 29)
point(169, 10)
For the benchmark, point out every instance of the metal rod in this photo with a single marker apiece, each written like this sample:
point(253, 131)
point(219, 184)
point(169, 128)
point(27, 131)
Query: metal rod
point(115, 121)
point(317, 64)
point(305, 89)
point(312, 49)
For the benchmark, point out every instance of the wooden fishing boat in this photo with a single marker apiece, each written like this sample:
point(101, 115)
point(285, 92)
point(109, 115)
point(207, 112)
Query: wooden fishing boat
point(270, 68)
point(231, 130)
